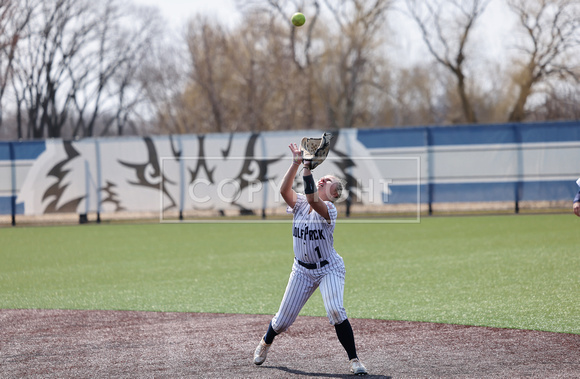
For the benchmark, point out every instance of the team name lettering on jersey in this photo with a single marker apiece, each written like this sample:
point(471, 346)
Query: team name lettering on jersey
point(306, 234)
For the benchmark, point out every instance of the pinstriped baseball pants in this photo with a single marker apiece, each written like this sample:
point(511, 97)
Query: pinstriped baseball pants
point(302, 284)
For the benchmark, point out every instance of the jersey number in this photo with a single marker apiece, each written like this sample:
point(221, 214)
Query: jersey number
point(317, 249)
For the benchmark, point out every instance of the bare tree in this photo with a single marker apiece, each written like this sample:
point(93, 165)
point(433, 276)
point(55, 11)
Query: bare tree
point(213, 99)
point(262, 78)
point(241, 80)
point(14, 16)
point(417, 96)
point(332, 72)
point(446, 26)
point(163, 77)
point(56, 35)
point(335, 60)
point(550, 48)
point(348, 64)
point(208, 44)
point(105, 78)
point(300, 45)
point(77, 67)
point(492, 98)
point(560, 103)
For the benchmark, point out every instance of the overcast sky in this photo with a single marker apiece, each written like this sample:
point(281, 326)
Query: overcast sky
point(178, 11)
point(497, 22)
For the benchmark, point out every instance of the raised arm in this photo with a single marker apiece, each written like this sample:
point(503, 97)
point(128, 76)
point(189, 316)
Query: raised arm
point(288, 194)
point(312, 195)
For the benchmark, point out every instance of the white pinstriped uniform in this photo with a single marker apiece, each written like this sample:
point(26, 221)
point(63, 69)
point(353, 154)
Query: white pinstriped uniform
point(313, 242)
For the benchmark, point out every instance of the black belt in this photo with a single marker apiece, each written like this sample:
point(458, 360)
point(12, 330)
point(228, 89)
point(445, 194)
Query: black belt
point(312, 266)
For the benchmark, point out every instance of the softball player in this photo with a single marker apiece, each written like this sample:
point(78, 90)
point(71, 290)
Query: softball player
point(316, 263)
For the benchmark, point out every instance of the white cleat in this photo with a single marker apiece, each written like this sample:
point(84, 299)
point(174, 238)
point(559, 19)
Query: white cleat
point(261, 352)
point(357, 368)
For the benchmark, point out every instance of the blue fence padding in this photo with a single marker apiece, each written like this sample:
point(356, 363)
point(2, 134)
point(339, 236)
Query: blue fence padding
point(551, 132)
point(452, 193)
point(6, 206)
point(549, 190)
point(385, 138)
point(473, 192)
point(474, 135)
point(405, 194)
point(470, 134)
point(5, 151)
point(29, 150)
point(22, 150)
point(483, 192)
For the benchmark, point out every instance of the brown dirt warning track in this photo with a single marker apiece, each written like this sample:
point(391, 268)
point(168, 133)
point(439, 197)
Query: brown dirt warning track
point(127, 344)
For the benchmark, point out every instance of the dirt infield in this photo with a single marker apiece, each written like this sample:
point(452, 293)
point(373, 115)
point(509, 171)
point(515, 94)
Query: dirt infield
point(122, 344)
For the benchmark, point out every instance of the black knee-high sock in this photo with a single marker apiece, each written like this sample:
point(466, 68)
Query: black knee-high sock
point(346, 338)
point(270, 334)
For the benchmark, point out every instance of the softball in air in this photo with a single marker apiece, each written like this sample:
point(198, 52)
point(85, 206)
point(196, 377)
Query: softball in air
point(298, 19)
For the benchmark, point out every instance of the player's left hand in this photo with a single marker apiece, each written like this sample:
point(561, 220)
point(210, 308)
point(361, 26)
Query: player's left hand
point(577, 208)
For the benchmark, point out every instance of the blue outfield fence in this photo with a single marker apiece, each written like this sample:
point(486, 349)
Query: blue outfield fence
point(16, 158)
point(436, 164)
point(470, 134)
point(483, 163)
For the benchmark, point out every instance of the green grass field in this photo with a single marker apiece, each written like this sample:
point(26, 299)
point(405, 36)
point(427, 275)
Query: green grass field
point(502, 271)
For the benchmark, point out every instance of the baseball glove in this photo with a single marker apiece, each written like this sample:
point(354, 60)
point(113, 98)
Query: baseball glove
point(315, 150)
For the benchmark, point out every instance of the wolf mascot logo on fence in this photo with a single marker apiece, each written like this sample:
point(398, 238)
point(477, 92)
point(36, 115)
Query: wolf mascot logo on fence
point(192, 172)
